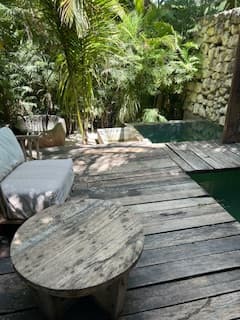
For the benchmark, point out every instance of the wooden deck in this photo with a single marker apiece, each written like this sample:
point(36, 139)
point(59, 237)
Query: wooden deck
point(198, 156)
point(190, 266)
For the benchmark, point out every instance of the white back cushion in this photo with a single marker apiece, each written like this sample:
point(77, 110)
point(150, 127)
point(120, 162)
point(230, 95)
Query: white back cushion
point(11, 154)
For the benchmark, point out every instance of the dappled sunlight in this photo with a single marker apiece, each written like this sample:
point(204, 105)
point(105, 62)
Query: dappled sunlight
point(46, 220)
point(100, 163)
point(89, 158)
point(40, 203)
point(17, 241)
point(219, 149)
point(15, 202)
point(105, 163)
point(25, 205)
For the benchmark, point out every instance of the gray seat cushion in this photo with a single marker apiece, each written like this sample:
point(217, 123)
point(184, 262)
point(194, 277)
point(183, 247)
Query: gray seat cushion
point(11, 154)
point(36, 185)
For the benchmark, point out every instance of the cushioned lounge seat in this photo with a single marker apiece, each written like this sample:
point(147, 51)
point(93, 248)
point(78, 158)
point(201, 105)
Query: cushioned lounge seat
point(36, 185)
point(29, 187)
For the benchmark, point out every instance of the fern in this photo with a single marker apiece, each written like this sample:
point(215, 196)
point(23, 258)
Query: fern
point(153, 115)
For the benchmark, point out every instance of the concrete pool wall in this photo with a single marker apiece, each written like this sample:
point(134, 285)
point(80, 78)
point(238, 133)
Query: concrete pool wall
point(113, 135)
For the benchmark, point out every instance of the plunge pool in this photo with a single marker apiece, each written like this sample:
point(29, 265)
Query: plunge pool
point(223, 186)
point(174, 131)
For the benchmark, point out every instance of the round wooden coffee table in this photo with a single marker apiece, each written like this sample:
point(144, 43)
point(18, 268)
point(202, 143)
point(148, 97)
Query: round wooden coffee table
point(83, 247)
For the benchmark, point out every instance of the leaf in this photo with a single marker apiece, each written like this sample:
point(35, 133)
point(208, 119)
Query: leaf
point(152, 115)
point(139, 6)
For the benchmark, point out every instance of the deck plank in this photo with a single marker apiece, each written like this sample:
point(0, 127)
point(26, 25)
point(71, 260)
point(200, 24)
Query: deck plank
point(165, 219)
point(185, 268)
point(174, 205)
point(182, 150)
point(131, 177)
point(180, 161)
point(207, 154)
point(204, 155)
point(145, 193)
point(190, 250)
point(5, 266)
point(234, 148)
point(14, 295)
point(225, 307)
point(168, 239)
point(167, 294)
point(215, 152)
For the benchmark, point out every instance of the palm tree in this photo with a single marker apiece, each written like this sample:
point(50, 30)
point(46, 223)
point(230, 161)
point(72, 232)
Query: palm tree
point(86, 32)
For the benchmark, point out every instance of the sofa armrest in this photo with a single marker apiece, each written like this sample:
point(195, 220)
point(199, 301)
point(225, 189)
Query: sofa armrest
point(27, 143)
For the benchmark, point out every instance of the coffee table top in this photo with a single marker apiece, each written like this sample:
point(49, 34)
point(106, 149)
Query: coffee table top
point(73, 248)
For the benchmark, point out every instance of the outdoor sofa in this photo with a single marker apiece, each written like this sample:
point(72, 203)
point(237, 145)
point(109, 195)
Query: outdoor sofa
point(27, 187)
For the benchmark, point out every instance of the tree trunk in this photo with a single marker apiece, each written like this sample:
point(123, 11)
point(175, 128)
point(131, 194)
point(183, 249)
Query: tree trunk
point(231, 128)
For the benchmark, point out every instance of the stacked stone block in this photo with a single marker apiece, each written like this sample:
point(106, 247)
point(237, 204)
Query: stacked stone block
point(218, 38)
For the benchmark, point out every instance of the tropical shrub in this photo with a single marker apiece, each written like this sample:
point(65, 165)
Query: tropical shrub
point(28, 79)
point(184, 15)
point(153, 63)
point(153, 115)
point(92, 60)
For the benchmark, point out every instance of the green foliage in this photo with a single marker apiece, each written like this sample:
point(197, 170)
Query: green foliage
point(184, 15)
point(28, 79)
point(86, 31)
point(139, 6)
point(91, 58)
point(154, 61)
point(153, 115)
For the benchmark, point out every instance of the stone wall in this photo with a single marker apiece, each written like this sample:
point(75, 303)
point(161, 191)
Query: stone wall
point(218, 37)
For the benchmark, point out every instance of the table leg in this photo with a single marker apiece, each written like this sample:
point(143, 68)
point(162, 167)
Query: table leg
point(111, 298)
point(51, 307)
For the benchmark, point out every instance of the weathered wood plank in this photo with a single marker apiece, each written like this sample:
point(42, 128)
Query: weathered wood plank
point(118, 164)
point(129, 178)
point(194, 235)
point(174, 204)
point(14, 295)
point(187, 222)
point(226, 152)
point(5, 266)
point(180, 161)
point(182, 218)
point(213, 153)
point(225, 307)
point(147, 193)
point(162, 195)
point(234, 148)
point(139, 164)
point(190, 250)
point(100, 165)
point(135, 187)
point(201, 151)
point(184, 268)
point(82, 187)
point(173, 293)
point(182, 150)
point(166, 215)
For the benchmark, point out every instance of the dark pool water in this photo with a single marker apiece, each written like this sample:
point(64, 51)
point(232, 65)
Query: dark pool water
point(224, 186)
point(180, 131)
